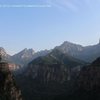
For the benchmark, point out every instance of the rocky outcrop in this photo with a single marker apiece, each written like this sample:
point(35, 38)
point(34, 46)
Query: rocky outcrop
point(8, 87)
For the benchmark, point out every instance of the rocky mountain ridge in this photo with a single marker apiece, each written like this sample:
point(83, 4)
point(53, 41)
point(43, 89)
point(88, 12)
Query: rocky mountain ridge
point(22, 58)
point(87, 54)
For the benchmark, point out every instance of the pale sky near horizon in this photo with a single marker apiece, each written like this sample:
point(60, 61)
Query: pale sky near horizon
point(44, 24)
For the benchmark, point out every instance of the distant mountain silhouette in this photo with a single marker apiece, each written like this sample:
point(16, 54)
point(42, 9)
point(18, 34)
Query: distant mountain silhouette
point(87, 53)
point(23, 57)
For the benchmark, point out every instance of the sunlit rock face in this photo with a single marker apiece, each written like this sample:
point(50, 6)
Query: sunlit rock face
point(13, 67)
point(8, 88)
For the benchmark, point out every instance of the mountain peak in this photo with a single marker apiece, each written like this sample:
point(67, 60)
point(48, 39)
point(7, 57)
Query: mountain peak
point(26, 53)
point(69, 48)
point(67, 43)
point(26, 50)
point(2, 51)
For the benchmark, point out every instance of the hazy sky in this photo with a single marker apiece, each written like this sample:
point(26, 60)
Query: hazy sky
point(43, 24)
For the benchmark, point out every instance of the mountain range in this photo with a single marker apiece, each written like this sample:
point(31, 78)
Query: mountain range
point(49, 75)
point(85, 53)
point(23, 57)
point(57, 76)
point(69, 71)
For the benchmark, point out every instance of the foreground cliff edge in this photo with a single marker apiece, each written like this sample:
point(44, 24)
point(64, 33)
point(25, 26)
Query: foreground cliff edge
point(8, 88)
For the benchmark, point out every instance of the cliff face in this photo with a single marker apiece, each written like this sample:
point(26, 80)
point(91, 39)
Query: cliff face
point(89, 78)
point(48, 77)
point(88, 83)
point(8, 88)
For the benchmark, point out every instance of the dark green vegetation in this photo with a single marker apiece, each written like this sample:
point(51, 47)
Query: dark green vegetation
point(48, 77)
point(51, 82)
point(58, 57)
